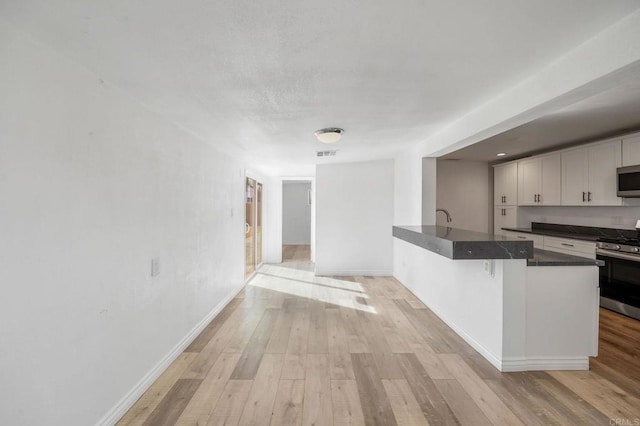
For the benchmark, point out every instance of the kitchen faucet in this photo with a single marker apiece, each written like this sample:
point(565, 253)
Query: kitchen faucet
point(446, 213)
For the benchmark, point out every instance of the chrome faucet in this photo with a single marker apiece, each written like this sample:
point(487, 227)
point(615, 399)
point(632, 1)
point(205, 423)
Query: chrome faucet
point(446, 213)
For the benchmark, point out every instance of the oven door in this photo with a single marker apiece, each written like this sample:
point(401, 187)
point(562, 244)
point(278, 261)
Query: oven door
point(620, 282)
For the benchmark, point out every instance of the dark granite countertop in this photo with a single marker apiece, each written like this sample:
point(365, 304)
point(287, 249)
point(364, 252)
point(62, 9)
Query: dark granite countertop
point(462, 244)
point(552, 258)
point(584, 233)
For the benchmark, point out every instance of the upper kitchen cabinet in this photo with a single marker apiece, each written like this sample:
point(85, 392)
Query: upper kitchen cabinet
point(631, 150)
point(505, 184)
point(539, 181)
point(589, 175)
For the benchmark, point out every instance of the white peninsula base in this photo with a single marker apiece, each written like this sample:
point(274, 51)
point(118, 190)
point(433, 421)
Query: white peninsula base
point(518, 317)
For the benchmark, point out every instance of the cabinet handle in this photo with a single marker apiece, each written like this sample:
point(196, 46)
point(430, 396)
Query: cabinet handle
point(504, 212)
point(522, 238)
point(567, 245)
point(535, 198)
point(589, 196)
point(539, 198)
point(584, 196)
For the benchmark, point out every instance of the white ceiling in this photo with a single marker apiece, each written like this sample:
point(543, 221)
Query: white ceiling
point(257, 78)
point(615, 111)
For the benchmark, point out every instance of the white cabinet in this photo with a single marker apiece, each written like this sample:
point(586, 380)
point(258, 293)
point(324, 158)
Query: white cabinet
point(631, 150)
point(505, 184)
point(570, 246)
point(589, 175)
point(539, 181)
point(504, 217)
point(538, 240)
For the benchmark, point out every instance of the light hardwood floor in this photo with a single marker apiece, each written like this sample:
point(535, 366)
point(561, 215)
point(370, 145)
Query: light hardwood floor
point(294, 348)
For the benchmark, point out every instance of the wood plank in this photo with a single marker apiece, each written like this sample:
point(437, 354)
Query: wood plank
point(433, 366)
point(405, 408)
point(249, 362)
point(213, 327)
point(259, 404)
point(340, 367)
point(387, 365)
point(282, 329)
point(317, 391)
point(157, 391)
point(294, 367)
point(287, 410)
point(202, 403)
point(299, 333)
point(230, 405)
point(355, 334)
point(210, 353)
point(483, 396)
point(318, 341)
point(373, 398)
point(172, 405)
point(433, 405)
point(605, 396)
point(345, 402)
point(562, 399)
point(464, 409)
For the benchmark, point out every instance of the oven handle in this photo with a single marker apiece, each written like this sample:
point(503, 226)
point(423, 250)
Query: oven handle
point(606, 253)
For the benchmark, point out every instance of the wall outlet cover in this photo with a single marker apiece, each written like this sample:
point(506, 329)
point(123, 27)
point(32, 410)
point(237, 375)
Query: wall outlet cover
point(155, 266)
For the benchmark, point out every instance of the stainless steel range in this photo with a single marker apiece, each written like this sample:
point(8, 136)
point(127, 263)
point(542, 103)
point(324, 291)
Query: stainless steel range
point(620, 275)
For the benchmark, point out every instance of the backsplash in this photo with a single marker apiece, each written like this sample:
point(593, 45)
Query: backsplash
point(623, 217)
point(585, 230)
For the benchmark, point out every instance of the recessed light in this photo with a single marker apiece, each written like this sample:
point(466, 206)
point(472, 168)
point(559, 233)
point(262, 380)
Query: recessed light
point(501, 154)
point(329, 134)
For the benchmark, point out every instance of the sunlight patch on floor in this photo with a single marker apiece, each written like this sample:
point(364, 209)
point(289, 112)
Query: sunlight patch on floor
point(305, 284)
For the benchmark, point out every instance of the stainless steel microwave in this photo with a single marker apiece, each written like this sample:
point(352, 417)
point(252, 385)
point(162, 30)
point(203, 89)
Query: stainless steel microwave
point(629, 181)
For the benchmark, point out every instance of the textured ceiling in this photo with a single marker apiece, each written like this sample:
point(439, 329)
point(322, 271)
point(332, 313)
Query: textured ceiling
point(258, 77)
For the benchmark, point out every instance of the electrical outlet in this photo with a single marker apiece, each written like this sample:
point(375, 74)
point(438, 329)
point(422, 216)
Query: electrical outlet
point(488, 267)
point(155, 266)
point(616, 220)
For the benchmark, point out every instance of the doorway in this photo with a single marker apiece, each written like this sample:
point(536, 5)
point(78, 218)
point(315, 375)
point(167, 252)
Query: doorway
point(253, 226)
point(296, 221)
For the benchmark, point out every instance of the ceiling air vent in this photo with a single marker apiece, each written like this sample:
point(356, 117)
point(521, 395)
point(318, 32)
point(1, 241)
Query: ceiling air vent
point(326, 153)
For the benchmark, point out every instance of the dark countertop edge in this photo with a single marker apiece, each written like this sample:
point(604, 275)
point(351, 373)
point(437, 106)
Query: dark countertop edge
point(590, 238)
point(461, 248)
point(551, 258)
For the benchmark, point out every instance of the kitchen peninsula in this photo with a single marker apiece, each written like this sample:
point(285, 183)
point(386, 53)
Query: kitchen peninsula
point(521, 308)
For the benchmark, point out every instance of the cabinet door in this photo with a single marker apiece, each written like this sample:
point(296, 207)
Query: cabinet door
point(499, 220)
point(505, 184)
point(528, 182)
point(603, 161)
point(631, 151)
point(510, 217)
point(575, 177)
point(550, 180)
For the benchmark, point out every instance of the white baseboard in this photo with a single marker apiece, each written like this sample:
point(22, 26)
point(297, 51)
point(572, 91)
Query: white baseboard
point(545, 364)
point(356, 272)
point(494, 359)
point(127, 401)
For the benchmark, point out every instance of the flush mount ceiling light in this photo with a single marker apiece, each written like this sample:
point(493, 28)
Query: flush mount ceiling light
point(329, 135)
point(501, 154)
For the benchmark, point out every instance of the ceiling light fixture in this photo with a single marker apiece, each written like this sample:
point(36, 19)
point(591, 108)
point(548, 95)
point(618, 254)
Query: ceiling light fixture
point(501, 154)
point(329, 135)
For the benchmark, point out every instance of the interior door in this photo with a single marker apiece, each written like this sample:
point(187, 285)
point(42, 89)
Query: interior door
point(250, 227)
point(258, 224)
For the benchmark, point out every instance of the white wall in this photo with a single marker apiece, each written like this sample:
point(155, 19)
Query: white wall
point(354, 217)
point(92, 187)
point(296, 213)
point(463, 189)
point(407, 201)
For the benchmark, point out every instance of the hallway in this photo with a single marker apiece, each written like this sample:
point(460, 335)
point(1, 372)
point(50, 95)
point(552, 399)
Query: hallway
point(293, 348)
